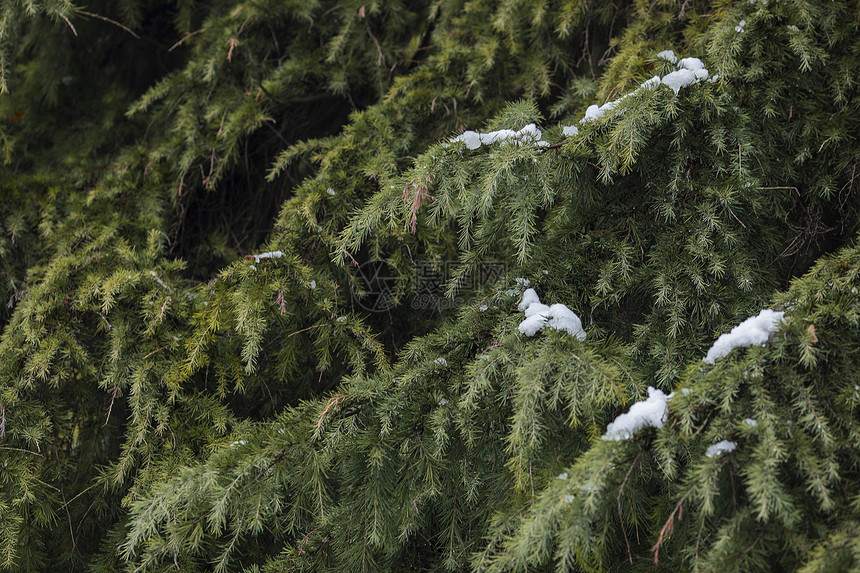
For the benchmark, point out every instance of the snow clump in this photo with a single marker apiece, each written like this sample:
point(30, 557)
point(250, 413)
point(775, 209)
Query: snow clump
point(754, 330)
point(720, 448)
point(668, 55)
point(751, 422)
point(651, 84)
point(679, 79)
point(649, 413)
point(539, 315)
point(529, 134)
point(689, 72)
point(269, 255)
point(740, 27)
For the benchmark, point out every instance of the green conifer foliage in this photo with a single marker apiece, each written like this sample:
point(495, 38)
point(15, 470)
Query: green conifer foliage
point(194, 372)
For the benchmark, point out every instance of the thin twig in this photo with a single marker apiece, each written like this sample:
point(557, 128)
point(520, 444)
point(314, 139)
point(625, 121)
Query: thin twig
point(21, 450)
point(75, 32)
point(182, 40)
point(106, 19)
point(114, 390)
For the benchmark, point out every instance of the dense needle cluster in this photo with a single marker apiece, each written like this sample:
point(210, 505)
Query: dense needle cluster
point(270, 273)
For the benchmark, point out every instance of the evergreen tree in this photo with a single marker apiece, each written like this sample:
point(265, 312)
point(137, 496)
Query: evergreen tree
point(401, 286)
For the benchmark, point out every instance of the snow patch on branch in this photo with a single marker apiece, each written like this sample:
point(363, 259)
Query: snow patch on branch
point(720, 448)
point(754, 330)
point(529, 134)
point(689, 72)
point(668, 55)
point(539, 315)
point(269, 255)
point(649, 413)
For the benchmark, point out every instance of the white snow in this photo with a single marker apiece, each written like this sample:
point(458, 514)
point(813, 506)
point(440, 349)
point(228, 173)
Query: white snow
point(593, 112)
point(562, 475)
point(793, 28)
point(483, 307)
point(668, 55)
point(754, 330)
point(569, 130)
point(750, 422)
point(522, 282)
point(690, 71)
point(238, 443)
point(529, 134)
point(313, 284)
point(443, 402)
point(529, 298)
point(568, 498)
point(679, 79)
point(341, 319)
point(330, 191)
point(269, 255)
point(740, 26)
point(651, 84)
point(441, 361)
point(691, 64)
point(649, 413)
point(720, 448)
point(539, 315)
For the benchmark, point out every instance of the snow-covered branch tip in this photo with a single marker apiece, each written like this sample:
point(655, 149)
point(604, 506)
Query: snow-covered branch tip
point(754, 330)
point(649, 413)
point(529, 134)
point(268, 255)
point(539, 315)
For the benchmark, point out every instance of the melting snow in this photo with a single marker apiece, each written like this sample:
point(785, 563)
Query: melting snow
point(720, 448)
point(651, 412)
point(679, 79)
point(690, 71)
point(269, 255)
point(569, 130)
point(529, 134)
point(651, 84)
point(754, 330)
